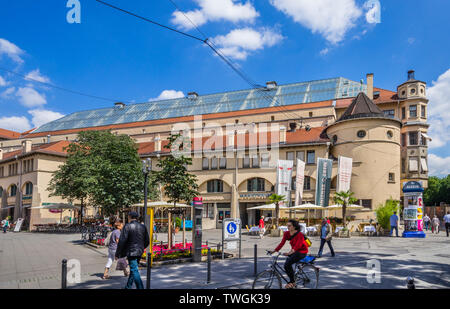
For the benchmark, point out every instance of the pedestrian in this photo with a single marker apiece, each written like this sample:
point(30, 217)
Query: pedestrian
point(394, 224)
point(132, 242)
point(325, 237)
point(447, 222)
point(262, 229)
point(426, 221)
point(435, 224)
point(112, 248)
point(5, 224)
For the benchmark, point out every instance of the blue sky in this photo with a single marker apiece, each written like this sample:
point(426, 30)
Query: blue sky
point(113, 55)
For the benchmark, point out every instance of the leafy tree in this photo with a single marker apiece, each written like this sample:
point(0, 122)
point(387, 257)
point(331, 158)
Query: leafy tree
point(384, 212)
point(277, 199)
point(344, 198)
point(438, 191)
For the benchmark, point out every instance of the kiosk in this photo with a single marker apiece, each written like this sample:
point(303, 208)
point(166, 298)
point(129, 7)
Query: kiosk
point(413, 209)
point(197, 229)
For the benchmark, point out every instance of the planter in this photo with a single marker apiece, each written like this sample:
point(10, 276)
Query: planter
point(276, 233)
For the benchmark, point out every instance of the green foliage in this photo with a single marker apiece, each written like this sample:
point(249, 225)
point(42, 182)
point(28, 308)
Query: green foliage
point(178, 222)
point(179, 185)
point(344, 198)
point(384, 212)
point(277, 199)
point(438, 191)
point(102, 168)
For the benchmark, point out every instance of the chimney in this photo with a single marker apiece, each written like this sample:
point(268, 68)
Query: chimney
point(192, 95)
point(411, 75)
point(1, 154)
point(370, 85)
point(282, 135)
point(157, 143)
point(48, 139)
point(26, 146)
point(119, 105)
point(271, 85)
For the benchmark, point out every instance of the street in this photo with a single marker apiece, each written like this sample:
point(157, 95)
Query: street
point(31, 260)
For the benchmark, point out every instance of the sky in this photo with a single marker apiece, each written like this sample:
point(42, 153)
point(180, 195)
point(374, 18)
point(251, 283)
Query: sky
point(115, 57)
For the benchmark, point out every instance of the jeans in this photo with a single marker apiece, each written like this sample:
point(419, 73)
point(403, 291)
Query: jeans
point(447, 227)
point(291, 260)
point(322, 243)
point(393, 227)
point(134, 274)
point(427, 225)
point(4, 229)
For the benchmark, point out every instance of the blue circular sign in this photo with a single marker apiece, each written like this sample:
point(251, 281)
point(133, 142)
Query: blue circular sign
point(231, 228)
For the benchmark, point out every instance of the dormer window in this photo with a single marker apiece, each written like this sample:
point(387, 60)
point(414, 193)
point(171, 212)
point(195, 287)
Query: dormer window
point(413, 91)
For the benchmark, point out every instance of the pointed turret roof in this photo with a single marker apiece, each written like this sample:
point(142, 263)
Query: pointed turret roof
point(362, 107)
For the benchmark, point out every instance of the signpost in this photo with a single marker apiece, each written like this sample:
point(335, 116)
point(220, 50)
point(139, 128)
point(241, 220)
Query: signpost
point(231, 234)
point(18, 225)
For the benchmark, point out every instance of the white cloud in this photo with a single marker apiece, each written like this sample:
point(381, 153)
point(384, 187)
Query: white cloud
point(216, 10)
point(18, 124)
point(169, 94)
point(11, 50)
point(439, 111)
point(37, 76)
point(324, 51)
point(2, 82)
point(30, 97)
point(239, 42)
point(439, 166)
point(42, 116)
point(331, 18)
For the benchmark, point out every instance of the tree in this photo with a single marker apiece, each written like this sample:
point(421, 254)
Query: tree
point(277, 199)
point(438, 191)
point(384, 213)
point(344, 198)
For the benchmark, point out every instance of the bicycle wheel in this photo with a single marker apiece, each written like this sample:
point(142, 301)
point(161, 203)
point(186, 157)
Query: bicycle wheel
point(267, 279)
point(308, 277)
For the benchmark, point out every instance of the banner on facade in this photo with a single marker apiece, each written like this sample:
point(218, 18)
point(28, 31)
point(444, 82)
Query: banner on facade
point(299, 182)
point(284, 179)
point(323, 182)
point(344, 173)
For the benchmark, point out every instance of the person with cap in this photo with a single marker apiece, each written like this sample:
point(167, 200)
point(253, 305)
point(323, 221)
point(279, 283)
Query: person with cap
point(132, 242)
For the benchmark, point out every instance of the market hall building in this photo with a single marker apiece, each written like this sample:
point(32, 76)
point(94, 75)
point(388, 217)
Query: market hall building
point(383, 131)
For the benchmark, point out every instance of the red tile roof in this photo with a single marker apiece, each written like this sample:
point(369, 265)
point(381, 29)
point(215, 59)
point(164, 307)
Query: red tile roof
point(8, 134)
point(55, 148)
point(386, 96)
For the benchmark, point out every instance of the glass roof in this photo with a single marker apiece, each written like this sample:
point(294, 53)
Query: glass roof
point(305, 92)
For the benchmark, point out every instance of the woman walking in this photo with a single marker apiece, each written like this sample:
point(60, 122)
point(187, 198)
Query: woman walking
point(112, 247)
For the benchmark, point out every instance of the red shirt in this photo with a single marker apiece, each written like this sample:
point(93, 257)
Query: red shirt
point(297, 243)
point(261, 223)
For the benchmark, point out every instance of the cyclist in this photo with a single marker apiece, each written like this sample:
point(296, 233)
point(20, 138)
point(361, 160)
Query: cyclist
point(299, 249)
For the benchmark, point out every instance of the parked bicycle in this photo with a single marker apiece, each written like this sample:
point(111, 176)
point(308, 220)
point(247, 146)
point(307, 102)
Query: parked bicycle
point(306, 274)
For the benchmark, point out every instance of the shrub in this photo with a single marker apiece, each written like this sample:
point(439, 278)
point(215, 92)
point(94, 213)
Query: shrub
point(384, 212)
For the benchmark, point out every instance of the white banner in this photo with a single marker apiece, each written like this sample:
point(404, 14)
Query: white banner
point(284, 179)
point(299, 182)
point(344, 173)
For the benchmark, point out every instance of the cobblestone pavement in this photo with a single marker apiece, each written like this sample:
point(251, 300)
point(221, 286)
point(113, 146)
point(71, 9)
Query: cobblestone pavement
point(29, 260)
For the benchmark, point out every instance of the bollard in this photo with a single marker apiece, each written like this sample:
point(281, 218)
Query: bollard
point(255, 260)
point(208, 275)
point(149, 271)
point(161, 249)
point(64, 274)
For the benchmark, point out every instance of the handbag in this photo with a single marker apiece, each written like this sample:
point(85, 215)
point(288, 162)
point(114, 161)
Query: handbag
point(122, 264)
point(308, 241)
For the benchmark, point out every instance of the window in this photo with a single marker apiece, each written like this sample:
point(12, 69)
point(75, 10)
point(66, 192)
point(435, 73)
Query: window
point(335, 139)
point(403, 139)
point(28, 165)
point(413, 165)
point(214, 163)
point(246, 162)
point(389, 134)
point(413, 91)
point(423, 110)
point(311, 157)
point(2, 171)
point(366, 203)
point(272, 118)
point(255, 185)
point(215, 186)
point(413, 111)
point(290, 155)
point(307, 183)
point(13, 190)
point(310, 114)
point(208, 211)
point(301, 155)
point(423, 163)
point(205, 164)
point(391, 177)
point(255, 161)
point(403, 113)
point(361, 133)
point(13, 169)
point(413, 138)
point(389, 113)
point(423, 140)
point(403, 165)
point(223, 163)
point(293, 183)
point(28, 188)
point(265, 160)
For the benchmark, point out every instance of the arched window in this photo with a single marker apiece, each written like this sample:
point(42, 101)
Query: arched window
point(256, 185)
point(13, 190)
point(214, 186)
point(28, 188)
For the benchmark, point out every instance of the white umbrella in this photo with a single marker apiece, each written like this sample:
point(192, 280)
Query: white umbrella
point(59, 206)
point(351, 206)
point(307, 207)
point(267, 207)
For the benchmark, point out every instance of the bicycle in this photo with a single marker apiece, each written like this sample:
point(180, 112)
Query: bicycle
point(306, 274)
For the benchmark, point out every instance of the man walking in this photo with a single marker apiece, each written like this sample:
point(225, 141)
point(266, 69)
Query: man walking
point(132, 242)
point(325, 237)
point(394, 224)
point(435, 224)
point(262, 230)
point(5, 225)
point(447, 222)
point(426, 221)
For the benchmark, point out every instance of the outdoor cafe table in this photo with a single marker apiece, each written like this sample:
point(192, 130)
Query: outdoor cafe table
point(369, 229)
point(283, 228)
point(338, 229)
point(254, 229)
point(311, 229)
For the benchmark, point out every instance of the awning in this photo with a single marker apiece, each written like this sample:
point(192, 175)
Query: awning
point(5, 208)
point(426, 136)
point(162, 204)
